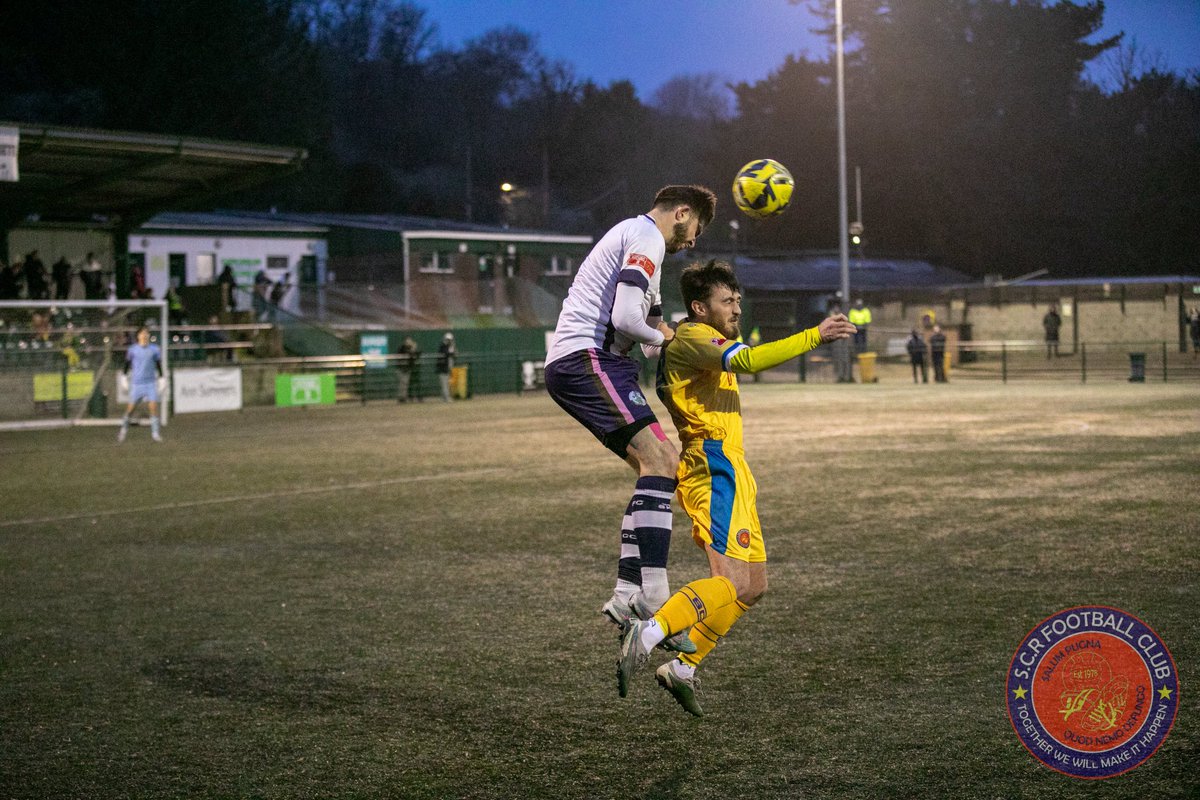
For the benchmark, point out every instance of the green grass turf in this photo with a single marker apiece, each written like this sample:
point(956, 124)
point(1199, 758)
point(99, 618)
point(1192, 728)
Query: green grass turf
point(401, 601)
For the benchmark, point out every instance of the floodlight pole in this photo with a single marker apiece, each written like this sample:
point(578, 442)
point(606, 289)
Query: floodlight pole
point(843, 222)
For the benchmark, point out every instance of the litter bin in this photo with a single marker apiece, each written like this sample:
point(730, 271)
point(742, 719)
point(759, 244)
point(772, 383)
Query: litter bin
point(866, 368)
point(1137, 367)
point(458, 382)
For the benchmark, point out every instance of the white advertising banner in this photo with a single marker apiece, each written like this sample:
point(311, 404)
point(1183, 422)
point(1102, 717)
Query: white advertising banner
point(10, 143)
point(207, 390)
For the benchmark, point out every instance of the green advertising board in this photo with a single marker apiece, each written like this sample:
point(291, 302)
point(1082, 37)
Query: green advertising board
point(318, 388)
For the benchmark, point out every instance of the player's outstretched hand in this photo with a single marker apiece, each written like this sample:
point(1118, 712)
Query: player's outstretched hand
point(667, 331)
point(836, 327)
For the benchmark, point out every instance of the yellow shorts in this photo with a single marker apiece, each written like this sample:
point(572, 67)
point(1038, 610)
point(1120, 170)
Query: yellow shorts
point(719, 494)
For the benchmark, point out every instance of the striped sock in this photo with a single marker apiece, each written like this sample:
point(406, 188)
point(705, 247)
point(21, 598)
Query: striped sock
point(629, 567)
point(651, 514)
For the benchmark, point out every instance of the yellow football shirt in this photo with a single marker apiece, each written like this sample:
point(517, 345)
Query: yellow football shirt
point(698, 384)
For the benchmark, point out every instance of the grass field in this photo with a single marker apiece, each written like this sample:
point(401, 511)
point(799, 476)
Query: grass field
point(400, 601)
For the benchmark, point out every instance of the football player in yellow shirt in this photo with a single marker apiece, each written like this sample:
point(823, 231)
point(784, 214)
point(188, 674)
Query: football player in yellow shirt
point(697, 381)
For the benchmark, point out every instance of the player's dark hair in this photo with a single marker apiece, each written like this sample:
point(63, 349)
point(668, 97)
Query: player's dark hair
point(697, 281)
point(698, 198)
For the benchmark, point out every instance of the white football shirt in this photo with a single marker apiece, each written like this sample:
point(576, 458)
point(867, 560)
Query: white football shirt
point(631, 252)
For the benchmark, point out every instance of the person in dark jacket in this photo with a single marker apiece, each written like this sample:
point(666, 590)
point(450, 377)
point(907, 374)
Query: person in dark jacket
point(61, 271)
point(36, 282)
point(446, 355)
point(937, 352)
point(228, 283)
point(1050, 324)
point(916, 354)
point(406, 371)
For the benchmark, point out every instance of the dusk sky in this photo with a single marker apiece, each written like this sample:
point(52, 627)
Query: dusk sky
point(649, 43)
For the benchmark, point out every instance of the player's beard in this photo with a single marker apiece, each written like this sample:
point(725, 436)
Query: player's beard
point(679, 237)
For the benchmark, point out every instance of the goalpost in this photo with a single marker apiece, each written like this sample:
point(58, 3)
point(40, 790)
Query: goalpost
point(59, 360)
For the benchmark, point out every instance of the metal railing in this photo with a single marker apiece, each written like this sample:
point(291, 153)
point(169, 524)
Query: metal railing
point(1025, 360)
point(1089, 361)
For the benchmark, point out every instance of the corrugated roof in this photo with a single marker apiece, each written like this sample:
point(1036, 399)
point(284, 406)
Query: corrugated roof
point(71, 173)
point(203, 221)
point(1139, 280)
point(383, 222)
point(822, 273)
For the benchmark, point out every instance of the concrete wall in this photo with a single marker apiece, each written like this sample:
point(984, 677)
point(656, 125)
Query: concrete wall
point(1155, 320)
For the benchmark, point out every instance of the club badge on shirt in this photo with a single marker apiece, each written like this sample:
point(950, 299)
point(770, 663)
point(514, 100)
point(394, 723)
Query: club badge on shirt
point(641, 262)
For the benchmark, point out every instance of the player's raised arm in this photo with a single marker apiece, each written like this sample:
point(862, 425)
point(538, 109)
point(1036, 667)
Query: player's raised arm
point(772, 354)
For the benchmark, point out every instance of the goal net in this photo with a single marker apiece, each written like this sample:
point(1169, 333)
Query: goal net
point(60, 361)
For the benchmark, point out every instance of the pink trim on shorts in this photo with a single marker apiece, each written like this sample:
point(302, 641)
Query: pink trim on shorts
point(612, 393)
point(658, 431)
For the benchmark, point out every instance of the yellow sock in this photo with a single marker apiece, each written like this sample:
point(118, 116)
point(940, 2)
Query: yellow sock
point(694, 602)
point(711, 630)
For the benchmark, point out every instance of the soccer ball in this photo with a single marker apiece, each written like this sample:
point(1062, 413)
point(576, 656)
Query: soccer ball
point(763, 188)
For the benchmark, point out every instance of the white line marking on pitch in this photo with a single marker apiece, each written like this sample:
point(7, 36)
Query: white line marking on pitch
point(241, 498)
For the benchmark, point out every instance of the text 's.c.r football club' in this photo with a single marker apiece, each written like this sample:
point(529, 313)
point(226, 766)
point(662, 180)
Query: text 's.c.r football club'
point(1092, 692)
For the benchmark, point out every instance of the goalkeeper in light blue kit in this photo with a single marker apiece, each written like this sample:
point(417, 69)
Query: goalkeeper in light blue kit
point(143, 365)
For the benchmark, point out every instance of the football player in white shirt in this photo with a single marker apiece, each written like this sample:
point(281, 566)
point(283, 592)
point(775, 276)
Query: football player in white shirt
point(613, 304)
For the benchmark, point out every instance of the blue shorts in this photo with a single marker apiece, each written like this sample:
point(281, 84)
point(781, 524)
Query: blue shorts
point(143, 391)
point(600, 389)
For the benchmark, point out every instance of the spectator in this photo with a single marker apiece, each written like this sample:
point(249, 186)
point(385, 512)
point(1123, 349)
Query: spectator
point(39, 323)
point(916, 354)
point(61, 271)
point(937, 352)
point(1050, 324)
point(1194, 329)
point(92, 275)
point(228, 284)
point(405, 367)
point(445, 363)
point(137, 283)
point(278, 292)
point(10, 281)
point(36, 282)
point(262, 285)
point(175, 310)
point(860, 317)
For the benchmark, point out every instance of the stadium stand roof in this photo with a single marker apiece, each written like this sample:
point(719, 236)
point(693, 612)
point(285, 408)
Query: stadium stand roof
point(1136, 280)
point(110, 177)
point(394, 222)
point(821, 272)
point(225, 222)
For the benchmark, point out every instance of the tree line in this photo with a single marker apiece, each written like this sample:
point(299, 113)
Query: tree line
point(981, 143)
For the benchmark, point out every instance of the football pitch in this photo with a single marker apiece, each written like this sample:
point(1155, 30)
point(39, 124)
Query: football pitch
point(401, 600)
